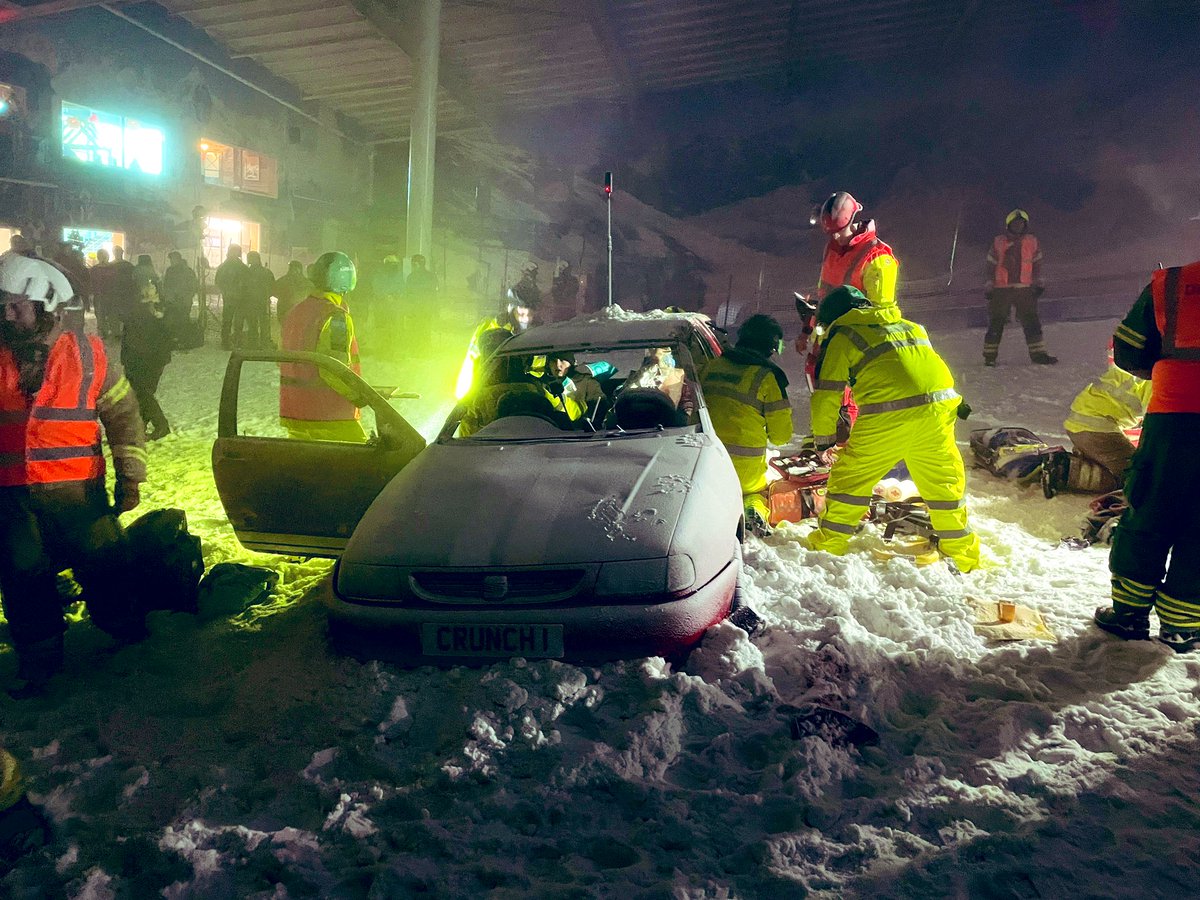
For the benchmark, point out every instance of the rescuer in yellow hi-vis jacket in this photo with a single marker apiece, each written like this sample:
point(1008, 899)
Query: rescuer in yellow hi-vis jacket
point(517, 316)
point(907, 407)
point(1100, 415)
point(747, 399)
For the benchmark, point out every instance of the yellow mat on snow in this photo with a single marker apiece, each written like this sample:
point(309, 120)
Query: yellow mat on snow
point(918, 549)
point(1002, 620)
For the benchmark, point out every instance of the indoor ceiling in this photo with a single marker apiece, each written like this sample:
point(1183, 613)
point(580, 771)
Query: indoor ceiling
point(511, 56)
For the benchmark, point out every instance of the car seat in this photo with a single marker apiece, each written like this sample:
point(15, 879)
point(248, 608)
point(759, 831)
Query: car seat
point(646, 408)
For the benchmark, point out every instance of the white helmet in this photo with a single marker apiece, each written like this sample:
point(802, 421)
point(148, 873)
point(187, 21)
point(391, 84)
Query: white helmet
point(35, 280)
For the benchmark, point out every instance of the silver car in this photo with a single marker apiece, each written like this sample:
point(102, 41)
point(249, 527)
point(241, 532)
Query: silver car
point(613, 535)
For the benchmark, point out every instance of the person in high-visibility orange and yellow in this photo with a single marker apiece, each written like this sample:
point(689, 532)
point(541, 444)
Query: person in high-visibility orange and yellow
point(907, 408)
point(1014, 280)
point(313, 405)
point(747, 399)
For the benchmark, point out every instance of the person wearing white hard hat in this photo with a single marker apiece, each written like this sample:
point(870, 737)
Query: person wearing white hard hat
point(57, 390)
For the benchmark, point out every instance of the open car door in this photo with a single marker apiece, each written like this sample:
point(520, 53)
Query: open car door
point(302, 497)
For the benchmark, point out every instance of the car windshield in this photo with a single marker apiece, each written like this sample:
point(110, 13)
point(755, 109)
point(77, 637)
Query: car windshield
point(577, 394)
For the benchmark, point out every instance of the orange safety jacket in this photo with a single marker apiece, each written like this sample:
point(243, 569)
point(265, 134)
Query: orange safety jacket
point(845, 265)
point(1027, 245)
point(303, 394)
point(1176, 375)
point(55, 436)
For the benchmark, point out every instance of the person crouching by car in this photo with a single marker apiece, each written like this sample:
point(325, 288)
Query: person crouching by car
point(57, 389)
point(314, 406)
point(907, 409)
point(747, 399)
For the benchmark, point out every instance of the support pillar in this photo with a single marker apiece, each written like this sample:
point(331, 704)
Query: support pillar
point(423, 141)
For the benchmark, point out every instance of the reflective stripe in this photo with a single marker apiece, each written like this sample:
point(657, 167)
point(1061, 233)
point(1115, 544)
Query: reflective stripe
point(52, 414)
point(13, 417)
point(731, 377)
point(855, 338)
point(1080, 422)
point(946, 504)
point(950, 535)
point(128, 451)
point(777, 405)
point(837, 526)
point(46, 454)
point(12, 459)
point(738, 450)
point(1131, 337)
point(880, 349)
point(88, 359)
point(822, 385)
point(115, 394)
point(728, 394)
point(908, 402)
point(851, 499)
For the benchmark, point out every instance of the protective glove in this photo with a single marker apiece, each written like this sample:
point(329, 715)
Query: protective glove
point(126, 495)
point(807, 443)
point(964, 409)
point(556, 387)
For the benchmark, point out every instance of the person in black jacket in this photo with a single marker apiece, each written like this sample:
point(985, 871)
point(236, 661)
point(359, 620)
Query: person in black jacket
point(146, 349)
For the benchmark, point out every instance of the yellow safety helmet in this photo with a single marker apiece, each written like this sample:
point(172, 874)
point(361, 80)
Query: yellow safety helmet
point(1016, 214)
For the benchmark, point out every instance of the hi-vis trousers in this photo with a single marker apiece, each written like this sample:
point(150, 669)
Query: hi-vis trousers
point(924, 438)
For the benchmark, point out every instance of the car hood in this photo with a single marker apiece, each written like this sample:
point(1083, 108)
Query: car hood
point(473, 503)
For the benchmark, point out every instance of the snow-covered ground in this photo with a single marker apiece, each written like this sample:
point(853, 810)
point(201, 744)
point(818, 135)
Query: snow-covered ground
point(233, 755)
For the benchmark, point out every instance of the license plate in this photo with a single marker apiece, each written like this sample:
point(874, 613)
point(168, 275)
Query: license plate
point(492, 640)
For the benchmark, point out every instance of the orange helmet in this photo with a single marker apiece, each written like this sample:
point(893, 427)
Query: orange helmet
point(838, 211)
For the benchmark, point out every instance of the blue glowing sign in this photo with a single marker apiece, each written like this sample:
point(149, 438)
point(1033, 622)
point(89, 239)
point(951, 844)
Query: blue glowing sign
point(104, 139)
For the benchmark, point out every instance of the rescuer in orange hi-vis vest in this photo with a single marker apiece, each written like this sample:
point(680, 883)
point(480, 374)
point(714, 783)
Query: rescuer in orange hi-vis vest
point(854, 256)
point(57, 388)
point(1155, 558)
point(1014, 280)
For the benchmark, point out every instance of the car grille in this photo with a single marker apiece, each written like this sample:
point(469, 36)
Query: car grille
point(526, 586)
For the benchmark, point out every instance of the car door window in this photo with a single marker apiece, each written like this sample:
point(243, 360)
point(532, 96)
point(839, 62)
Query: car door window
point(258, 406)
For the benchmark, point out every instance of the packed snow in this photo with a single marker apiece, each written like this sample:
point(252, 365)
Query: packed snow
point(233, 754)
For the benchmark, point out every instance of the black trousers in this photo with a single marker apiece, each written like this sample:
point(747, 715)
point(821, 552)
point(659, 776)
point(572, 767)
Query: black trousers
point(1000, 302)
point(50, 528)
point(144, 378)
point(1163, 518)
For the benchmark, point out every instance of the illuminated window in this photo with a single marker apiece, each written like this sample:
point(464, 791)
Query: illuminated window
point(239, 169)
point(106, 139)
point(89, 240)
point(220, 233)
point(12, 102)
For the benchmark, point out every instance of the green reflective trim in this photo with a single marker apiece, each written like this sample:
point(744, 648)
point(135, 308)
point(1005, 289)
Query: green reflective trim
point(777, 405)
point(1131, 337)
point(822, 385)
point(886, 347)
point(855, 338)
point(745, 399)
point(739, 450)
point(908, 402)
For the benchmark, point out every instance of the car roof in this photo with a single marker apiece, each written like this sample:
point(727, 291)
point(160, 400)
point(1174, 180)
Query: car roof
point(608, 330)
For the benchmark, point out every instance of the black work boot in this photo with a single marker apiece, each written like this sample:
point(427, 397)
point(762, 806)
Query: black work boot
point(37, 664)
point(1126, 626)
point(1043, 359)
point(1179, 641)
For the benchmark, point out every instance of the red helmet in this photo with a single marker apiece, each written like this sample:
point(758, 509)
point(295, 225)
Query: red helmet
point(838, 211)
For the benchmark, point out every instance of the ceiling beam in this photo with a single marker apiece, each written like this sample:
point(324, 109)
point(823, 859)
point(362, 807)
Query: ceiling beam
point(353, 87)
point(602, 19)
point(452, 77)
point(312, 48)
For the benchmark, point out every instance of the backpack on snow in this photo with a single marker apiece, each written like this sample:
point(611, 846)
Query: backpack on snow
point(168, 559)
point(1011, 451)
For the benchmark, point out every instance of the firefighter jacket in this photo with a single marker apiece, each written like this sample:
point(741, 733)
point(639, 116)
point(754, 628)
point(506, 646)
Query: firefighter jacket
point(1160, 339)
point(1112, 403)
point(886, 361)
point(51, 434)
point(322, 324)
point(866, 263)
point(1015, 260)
point(747, 399)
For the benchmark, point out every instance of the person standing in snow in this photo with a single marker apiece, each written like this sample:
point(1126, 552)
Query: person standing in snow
point(1014, 279)
point(1160, 339)
point(312, 405)
point(1100, 415)
point(748, 402)
point(230, 279)
point(57, 388)
point(854, 256)
point(907, 409)
point(180, 285)
point(146, 349)
point(517, 316)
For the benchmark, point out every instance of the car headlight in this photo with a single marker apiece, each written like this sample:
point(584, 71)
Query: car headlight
point(642, 577)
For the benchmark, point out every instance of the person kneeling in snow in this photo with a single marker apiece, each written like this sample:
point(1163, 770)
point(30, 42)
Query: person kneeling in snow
point(907, 407)
point(1100, 415)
